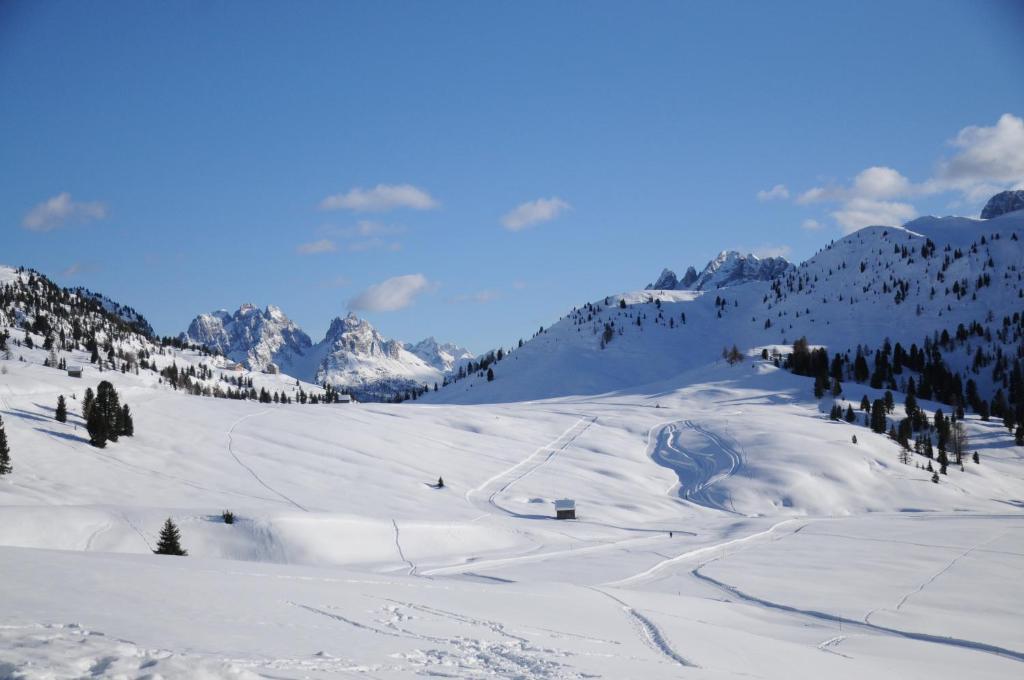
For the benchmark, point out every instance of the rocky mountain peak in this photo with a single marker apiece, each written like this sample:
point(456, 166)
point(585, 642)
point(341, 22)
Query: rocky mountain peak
point(1002, 203)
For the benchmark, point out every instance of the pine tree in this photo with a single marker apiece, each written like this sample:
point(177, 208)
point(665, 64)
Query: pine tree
point(87, 401)
point(127, 425)
point(490, 375)
point(109, 409)
point(878, 416)
point(62, 410)
point(5, 452)
point(170, 540)
point(97, 428)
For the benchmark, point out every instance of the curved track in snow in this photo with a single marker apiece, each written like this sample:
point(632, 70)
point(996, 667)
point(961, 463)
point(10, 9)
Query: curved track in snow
point(698, 470)
point(649, 632)
point(231, 450)
point(503, 481)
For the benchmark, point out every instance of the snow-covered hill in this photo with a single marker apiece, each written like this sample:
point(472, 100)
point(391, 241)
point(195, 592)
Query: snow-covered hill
point(904, 284)
point(353, 356)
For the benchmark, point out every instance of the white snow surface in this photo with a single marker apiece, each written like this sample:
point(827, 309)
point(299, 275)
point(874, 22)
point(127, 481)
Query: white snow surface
point(793, 553)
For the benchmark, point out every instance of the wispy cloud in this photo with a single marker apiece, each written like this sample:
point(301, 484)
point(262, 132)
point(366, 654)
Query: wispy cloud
point(62, 210)
point(534, 212)
point(381, 198)
point(811, 225)
point(779, 191)
point(392, 294)
point(324, 245)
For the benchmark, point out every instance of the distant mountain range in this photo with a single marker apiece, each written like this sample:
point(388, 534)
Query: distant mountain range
point(353, 355)
point(729, 268)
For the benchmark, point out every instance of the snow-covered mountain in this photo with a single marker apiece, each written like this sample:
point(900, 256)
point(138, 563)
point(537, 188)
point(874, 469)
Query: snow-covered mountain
point(728, 268)
point(264, 340)
point(904, 284)
point(353, 355)
point(444, 356)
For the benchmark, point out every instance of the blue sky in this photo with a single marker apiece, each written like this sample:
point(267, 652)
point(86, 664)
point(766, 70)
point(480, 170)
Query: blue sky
point(473, 170)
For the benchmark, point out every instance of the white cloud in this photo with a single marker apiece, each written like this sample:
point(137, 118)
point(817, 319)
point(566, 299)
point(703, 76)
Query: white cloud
point(381, 198)
point(772, 251)
point(324, 245)
point(390, 295)
point(987, 155)
point(811, 225)
point(864, 212)
point(534, 212)
point(880, 182)
point(779, 191)
point(60, 210)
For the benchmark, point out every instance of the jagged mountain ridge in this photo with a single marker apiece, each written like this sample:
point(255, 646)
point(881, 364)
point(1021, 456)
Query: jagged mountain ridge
point(728, 268)
point(904, 284)
point(353, 355)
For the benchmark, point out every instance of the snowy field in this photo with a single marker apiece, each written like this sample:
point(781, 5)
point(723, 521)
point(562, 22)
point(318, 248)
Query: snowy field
point(726, 528)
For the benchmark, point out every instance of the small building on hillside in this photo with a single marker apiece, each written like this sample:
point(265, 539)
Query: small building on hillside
point(346, 399)
point(565, 508)
point(74, 371)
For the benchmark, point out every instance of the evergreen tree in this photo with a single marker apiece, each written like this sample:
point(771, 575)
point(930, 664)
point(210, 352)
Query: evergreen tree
point(62, 410)
point(170, 540)
point(490, 375)
point(97, 428)
point(87, 402)
point(878, 416)
point(126, 424)
point(109, 409)
point(5, 452)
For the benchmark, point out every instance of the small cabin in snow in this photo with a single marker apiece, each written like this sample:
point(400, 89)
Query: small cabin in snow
point(74, 371)
point(565, 508)
point(346, 399)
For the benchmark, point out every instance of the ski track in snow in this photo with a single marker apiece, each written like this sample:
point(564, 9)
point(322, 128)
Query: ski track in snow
point(697, 471)
point(649, 632)
point(401, 553)
point(860, 625)
point(252, 472)
point(557, 445)
point(709, 550)
point(937, 574)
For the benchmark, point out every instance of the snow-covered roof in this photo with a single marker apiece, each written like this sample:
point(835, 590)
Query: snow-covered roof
point(75, 369)
point(565, 504)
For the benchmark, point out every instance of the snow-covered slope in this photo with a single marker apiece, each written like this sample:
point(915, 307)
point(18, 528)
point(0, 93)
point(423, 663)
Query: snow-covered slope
point(342, 559)
point(898, 283)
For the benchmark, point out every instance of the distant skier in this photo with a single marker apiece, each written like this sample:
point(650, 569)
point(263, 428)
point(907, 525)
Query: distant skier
point(440, 482)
